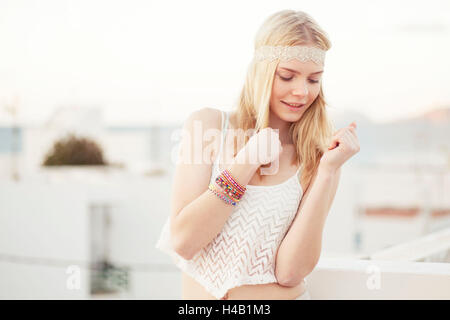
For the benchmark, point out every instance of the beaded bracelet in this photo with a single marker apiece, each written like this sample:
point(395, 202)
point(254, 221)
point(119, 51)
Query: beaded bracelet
point(228, 188)
point(221, 195)
point(230, 178)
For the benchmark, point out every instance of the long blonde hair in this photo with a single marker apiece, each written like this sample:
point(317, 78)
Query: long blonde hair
point(312, 133)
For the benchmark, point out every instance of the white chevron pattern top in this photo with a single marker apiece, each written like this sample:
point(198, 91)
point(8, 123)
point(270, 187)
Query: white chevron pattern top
point(244, 252)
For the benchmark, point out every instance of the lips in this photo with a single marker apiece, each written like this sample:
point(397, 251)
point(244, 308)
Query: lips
point(296, 105)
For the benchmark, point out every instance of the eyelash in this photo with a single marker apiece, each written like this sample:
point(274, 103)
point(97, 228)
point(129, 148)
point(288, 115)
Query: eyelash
point(288, 79)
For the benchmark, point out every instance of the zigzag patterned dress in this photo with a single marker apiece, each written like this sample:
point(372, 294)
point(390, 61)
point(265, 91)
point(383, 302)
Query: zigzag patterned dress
point(244, 252)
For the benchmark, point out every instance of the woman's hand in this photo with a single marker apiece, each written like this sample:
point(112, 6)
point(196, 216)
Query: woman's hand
point(344, 145)
point(262, 148)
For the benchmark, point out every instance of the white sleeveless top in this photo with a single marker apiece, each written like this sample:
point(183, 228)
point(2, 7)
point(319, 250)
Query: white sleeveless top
point(244, 252)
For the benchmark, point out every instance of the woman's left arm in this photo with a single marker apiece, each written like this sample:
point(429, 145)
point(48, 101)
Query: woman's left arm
point(300, 249)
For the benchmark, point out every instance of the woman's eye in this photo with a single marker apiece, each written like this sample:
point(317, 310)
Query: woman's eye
point(286, 79)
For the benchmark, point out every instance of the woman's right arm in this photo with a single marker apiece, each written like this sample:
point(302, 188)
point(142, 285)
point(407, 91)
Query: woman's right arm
point(198, 215)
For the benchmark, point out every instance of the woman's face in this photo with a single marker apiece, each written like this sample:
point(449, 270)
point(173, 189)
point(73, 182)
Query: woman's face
point(295, 82)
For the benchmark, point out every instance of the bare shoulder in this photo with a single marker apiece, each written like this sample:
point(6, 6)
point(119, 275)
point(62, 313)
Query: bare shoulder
point(209, 117)
point(200, 127)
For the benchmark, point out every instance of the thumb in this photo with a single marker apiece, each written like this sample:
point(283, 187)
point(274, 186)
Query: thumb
point(353, 124)
point(334, 143)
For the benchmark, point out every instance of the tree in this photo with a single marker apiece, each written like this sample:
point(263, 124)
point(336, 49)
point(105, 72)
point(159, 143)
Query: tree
point(73, 150)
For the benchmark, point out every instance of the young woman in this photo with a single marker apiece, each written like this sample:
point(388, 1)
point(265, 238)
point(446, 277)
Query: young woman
point(248, 210)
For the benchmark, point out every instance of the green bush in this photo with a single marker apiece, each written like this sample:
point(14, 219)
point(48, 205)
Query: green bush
point(73, 150)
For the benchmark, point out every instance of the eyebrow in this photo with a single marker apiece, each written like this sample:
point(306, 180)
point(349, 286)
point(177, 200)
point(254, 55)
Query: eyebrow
point(294, 71)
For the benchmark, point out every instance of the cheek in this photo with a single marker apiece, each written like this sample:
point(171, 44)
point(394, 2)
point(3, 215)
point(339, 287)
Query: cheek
point(314, 92)
point(279, 90)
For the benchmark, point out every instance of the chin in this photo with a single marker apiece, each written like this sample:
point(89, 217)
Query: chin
point(290, 116)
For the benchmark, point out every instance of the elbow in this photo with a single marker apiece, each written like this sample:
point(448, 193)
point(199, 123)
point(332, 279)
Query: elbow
point(293, 278)
point(290, 280)
point(289, 283)
point(182, 249)
point(179, 243)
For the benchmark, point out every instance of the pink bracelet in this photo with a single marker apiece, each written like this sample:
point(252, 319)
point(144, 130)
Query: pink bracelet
point(233, 181)
point(228, 188)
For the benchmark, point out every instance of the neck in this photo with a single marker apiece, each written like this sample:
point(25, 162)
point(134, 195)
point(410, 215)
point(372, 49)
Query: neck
point(282, 126)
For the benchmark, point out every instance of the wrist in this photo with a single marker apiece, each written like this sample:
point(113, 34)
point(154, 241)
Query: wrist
point(242, 172)
point(327, 170)
point(244, 161)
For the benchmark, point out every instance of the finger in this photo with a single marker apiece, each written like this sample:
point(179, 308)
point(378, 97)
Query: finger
point(343, 140)
point(353, 136)
point(334, 143)
point(336, 140)
point(353, 132)
point(346, 143)
point(338, 131)
point(352, 127)
point(350, 140)
point(336, 137)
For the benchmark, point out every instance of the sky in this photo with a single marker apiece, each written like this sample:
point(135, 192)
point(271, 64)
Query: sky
point(154, 62)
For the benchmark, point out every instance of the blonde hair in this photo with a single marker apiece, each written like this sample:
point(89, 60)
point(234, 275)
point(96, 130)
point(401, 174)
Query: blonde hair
point(312, 133)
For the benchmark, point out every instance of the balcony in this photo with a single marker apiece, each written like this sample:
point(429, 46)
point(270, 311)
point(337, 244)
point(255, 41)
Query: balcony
point(64, 231)
point(418, 269)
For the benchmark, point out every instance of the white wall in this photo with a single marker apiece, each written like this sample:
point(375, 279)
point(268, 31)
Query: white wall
point(46, 219)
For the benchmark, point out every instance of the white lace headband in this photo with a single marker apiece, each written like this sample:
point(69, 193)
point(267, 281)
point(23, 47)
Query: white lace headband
point(301, 53)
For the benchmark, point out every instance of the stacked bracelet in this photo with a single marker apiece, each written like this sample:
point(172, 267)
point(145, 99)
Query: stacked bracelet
point(231, 192)
point(229, 177)
point(227, 187)
point(221, 195)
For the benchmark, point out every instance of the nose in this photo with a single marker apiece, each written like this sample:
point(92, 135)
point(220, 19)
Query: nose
point(301, 90)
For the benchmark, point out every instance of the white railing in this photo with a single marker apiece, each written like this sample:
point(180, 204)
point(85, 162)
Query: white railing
point(403, 271)
point(342, 279)
point(422, 249)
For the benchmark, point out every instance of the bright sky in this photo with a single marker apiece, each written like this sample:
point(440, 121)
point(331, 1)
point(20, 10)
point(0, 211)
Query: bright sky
point(156, 61)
